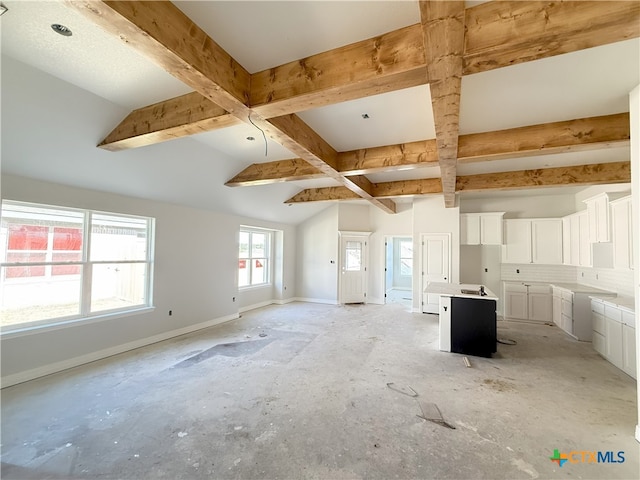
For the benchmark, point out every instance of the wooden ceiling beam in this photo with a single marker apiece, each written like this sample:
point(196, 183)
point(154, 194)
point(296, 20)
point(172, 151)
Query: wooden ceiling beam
point(381, 64)
point(178, 117)
point(550, 138)
point(504, 33)
point(275, 172)
point(323, 195)
point(443, 27)
point(596, 174)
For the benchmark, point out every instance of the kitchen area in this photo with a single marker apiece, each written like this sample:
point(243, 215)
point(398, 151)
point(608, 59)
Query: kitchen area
point(565, 261)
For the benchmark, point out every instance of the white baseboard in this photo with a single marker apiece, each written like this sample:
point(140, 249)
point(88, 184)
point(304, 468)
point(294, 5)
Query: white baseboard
point(317, 300)
point(256, 305)
point(27, 375)
point(284, 301)
point(376, 300)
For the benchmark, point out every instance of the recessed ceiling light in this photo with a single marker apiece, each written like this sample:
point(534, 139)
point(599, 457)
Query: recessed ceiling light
point(251, 139)
point(61, 29)
point(365, 116)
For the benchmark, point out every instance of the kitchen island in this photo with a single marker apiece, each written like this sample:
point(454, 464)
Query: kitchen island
point(467, 318)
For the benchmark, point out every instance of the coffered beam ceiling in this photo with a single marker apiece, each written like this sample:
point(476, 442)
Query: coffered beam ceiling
point(162, 33)
point(394, 61)
point(550, 138)
point(496, 34)
point(581, 175)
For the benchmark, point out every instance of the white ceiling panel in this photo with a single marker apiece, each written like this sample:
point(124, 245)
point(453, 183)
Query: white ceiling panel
point(89, 58)
point(587, 83)
point(397, 117)
point(265, 34)
point(234, 141)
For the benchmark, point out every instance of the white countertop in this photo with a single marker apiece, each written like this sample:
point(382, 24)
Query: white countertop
point(627, 303)
point(577, 288)
point(455, 290)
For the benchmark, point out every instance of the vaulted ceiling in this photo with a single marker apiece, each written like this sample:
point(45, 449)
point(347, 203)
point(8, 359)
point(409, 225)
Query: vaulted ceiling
point(370, 100)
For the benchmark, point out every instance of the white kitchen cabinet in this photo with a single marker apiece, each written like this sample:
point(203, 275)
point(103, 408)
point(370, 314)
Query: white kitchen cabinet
point(533, 241)
point(539, 302)
point(576, 247)
point(524, 301)
point(481, 228)
point(598, 214)
point(629, 365)
point(517, 241)
point(622, 233)
point(583, 240)
point(613, 336)
point(556, 308)
point(576, 311)
point(614, 333)
point(469, 229)
point(516, 301)
point(546, 241)
point(597, 317)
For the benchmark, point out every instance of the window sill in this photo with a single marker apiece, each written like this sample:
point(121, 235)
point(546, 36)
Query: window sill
point(255, 287)
point(75, 322)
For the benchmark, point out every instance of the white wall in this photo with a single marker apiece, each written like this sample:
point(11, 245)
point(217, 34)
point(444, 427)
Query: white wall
point(535, 206)
point(634, 108)
point(353, 217)
point(195, 276)
point(317, 257)
point(430, 216)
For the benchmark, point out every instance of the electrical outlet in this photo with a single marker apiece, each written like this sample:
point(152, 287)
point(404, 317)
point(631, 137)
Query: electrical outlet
point(170, 312)
point(234, 299)
point(517, 270)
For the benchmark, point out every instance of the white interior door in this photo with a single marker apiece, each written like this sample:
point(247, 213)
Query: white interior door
point(353, 269)
point(435, 267)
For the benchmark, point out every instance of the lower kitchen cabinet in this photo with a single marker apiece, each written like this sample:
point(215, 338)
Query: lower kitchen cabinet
point(572, 310)
point(614, 334)
point(525, 301)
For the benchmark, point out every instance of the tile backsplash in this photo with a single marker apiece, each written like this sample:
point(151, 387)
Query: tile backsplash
point(615, 280)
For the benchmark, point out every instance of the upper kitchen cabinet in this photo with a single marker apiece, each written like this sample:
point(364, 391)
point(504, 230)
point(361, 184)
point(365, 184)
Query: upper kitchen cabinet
point(576, 245)
point(481, 228)
point(598, 213)
point(622, 233)
point(533, 241)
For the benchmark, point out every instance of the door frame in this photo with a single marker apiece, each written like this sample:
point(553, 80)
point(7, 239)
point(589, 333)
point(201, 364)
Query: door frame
point(365, 236)
point(388, 239)
point(421, 281)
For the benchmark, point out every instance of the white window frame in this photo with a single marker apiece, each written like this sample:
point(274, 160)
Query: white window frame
point(268, 257)
point(86, 264)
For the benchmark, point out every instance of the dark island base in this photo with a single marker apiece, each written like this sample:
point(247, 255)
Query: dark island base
point(473, 326)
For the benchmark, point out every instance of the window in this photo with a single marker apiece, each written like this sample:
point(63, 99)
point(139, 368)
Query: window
point(254, 256)
point(406, 257)
point(61, 263)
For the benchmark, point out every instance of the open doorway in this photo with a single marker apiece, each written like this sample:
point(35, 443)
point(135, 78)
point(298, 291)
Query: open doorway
point(398, 282)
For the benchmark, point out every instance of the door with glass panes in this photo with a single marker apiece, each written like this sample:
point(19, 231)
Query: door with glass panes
point(353, 268)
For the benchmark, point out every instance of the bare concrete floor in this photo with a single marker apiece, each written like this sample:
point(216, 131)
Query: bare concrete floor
point(312, 399)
